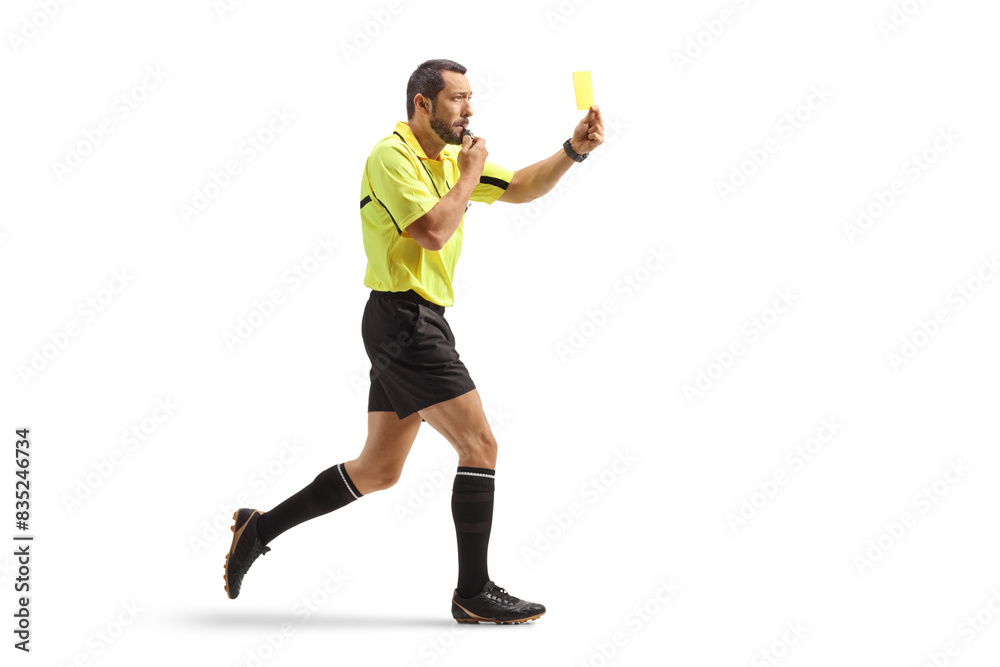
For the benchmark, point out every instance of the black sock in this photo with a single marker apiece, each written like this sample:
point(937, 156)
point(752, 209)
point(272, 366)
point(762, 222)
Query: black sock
point(332, 489)
point(472, 509)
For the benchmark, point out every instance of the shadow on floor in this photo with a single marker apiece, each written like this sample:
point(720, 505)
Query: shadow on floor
point(270, 620)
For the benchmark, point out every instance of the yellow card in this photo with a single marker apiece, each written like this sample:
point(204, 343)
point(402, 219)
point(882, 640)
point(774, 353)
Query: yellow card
point(584, 90)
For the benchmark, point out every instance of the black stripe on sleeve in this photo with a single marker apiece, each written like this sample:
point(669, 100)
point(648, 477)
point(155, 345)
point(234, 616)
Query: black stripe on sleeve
point(366, 201)
point(496, 182)
point(390, 214)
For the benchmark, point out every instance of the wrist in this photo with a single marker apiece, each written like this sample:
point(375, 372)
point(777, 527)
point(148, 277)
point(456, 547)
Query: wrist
point(571, 150)
point(466, 183)
point(468, 179)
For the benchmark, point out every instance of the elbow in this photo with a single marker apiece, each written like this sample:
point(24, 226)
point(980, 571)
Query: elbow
point(430, 242)
point(526, 195)
point(517, 197)
point(525, 188)
point(426, 238)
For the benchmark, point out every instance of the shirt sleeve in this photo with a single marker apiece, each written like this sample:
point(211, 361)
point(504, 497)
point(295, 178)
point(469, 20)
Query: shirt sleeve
point(397, 187)
point(492, 184)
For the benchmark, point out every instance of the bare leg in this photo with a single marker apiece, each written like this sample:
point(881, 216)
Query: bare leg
point(462, 421)
point(381, 461)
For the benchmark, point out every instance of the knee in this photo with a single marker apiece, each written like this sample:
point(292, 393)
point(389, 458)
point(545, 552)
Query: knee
point(387, 478)
point(482, 450)
point(382, 477)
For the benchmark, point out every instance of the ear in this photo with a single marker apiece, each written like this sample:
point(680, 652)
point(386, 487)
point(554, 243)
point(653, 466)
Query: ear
point(421, 102)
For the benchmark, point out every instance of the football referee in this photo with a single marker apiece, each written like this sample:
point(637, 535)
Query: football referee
point(415, 189)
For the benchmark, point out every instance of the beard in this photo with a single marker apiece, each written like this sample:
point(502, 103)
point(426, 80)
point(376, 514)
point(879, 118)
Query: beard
point(445, 131)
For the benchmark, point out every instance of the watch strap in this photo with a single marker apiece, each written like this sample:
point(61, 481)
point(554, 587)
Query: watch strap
point(576, 157)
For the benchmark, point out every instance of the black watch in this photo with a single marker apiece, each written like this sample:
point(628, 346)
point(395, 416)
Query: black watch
point(576, 157)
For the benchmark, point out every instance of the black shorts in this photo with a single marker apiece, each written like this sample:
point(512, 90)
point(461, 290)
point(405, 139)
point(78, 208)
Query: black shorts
point(412, 350)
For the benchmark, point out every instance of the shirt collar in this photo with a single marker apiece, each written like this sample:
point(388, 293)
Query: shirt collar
point(404, 131)
point(447, 153)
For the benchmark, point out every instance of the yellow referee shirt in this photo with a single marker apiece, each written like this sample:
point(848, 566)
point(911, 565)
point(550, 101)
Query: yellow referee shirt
point(400, 184)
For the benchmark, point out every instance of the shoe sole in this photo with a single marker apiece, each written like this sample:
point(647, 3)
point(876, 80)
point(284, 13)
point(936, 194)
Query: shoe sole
point(490, 620)
point(475, 618)
point(232, 549)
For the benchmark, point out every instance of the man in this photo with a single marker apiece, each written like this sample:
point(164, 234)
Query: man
point(416, 187)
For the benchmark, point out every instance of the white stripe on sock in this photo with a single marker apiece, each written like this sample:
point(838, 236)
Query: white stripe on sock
point(340, 468)
point(474, 474)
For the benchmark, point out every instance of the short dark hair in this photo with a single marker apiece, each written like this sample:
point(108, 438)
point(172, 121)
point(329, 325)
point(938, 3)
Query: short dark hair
point(427, 81)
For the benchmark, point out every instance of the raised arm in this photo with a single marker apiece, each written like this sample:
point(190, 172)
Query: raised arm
point(536, 180)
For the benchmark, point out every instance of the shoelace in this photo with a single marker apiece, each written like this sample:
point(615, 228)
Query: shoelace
point(257, 549)
point(506, 597)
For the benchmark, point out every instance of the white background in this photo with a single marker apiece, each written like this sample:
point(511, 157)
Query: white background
point(532, 281)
